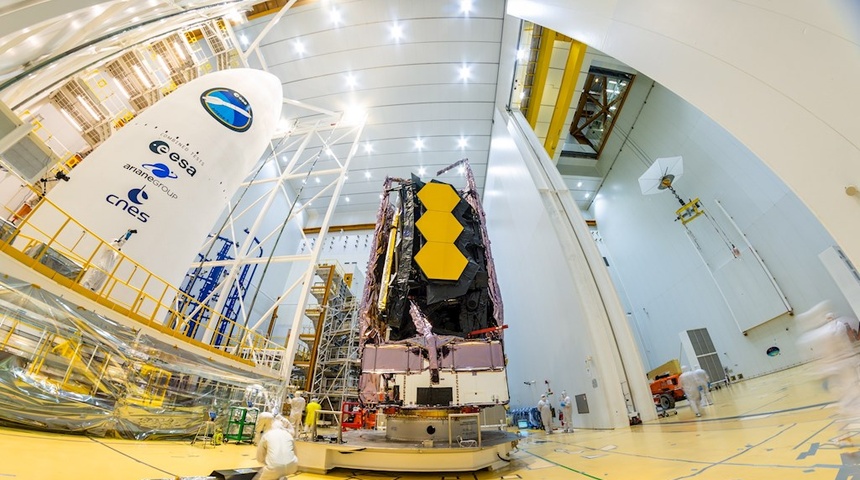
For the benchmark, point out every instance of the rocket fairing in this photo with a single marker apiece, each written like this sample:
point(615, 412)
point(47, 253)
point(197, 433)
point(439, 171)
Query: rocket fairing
point(170, 171)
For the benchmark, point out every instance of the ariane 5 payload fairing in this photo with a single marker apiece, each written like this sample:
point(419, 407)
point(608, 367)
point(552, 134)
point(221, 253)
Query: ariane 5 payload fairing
point(431, 312)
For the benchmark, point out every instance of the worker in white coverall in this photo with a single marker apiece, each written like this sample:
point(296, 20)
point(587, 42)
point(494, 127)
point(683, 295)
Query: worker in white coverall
point(567, 412)
point(277, 454)
point(827, 343)
point(690, 385)
point(297, 408)
point(545, 410)
point(704, 385)
point(264, 422)
point(102, 266)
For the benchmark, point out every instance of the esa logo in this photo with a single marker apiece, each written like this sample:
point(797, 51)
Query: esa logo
point(161, 148)
point(135, 197)
point(228, 107)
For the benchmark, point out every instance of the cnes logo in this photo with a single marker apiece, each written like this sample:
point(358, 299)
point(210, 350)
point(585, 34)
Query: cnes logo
point(162, 148)
point(134, 198)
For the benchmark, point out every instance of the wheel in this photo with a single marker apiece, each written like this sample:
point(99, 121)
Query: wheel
point(667, 402)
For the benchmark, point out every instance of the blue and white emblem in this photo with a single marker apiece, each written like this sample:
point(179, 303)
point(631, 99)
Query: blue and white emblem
point(228, 107)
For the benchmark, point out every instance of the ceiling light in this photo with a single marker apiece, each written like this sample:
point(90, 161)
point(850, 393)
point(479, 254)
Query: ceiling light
point(462, 143)
point(522, 95)
point(578, 184)
point(368, 148)
point(422, 171)
point(396, 32)
point(465, 72)
point(182, 54)
point(71, 120)
point(350, 80)
point(317, 179)
point(161, 62)
point(235, 17)
point(521, 54)
point(419, 143)
point(335, 16)
point(466, 6)
point(353, 115)
point(141, 76)
point(461, 169)
point(88, 108)
point(243, 39)
point(300, 47)
point(367, 174)
point(121, 90)
point(135, 20)
point(587, 194)
point(380, 196)
point(329, 152)
point(347, 199)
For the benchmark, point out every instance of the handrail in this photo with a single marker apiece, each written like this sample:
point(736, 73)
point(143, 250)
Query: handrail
point(67, 253)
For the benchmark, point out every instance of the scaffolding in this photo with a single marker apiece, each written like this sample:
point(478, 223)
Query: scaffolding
point(85, 113)
point(334, 354)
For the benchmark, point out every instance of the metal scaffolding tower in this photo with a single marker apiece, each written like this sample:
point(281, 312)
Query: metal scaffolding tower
point(334, 351)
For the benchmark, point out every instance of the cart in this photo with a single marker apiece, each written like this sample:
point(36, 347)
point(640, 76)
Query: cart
point(241, 424)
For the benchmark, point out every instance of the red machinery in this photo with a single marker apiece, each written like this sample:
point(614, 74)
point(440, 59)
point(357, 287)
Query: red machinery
point(666, 390)
point(355, 417)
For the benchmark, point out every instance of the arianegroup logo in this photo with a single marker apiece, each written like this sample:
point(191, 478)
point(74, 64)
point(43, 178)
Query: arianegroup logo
point(160, 170)
point(228, 107)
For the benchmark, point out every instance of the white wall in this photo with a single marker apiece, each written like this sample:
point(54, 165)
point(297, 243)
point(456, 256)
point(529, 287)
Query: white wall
point(668, 288)
point(556, 314)
point(768, 72)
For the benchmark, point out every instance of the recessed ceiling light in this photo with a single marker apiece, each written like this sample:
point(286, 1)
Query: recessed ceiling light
point(465, 72)
point(368, 148)
point(300, 47)
point(396, 32)
point(521, 54)
point(462, 142)
point(243, 39)
point(335, 16)
point(587, 194)
point(465, 6)
point(461, 169)
point(347, 199)
point(422, 171)
point(419, 143)
point(578, 184)
point(367, 174)
point(329, 152)
point(380, 196)
point(317, 179)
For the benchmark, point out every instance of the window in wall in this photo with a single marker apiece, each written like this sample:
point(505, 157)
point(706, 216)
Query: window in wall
point(599, 106)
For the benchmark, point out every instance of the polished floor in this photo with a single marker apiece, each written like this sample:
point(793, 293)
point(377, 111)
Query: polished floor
point(783, 426)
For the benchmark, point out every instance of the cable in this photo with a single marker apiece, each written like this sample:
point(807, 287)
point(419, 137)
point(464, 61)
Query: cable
point(135, 459)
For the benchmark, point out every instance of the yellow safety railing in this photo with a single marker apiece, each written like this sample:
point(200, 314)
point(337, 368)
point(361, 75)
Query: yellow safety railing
point(67, 253)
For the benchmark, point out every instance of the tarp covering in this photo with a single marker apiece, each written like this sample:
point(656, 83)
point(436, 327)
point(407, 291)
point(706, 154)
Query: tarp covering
point(66, 369)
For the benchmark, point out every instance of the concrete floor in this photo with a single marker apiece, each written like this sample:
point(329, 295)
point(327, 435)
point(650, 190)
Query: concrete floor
point(783, 426)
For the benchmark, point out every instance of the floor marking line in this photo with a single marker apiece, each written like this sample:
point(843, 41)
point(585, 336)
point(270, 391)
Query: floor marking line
point(563, 466)
point(814, 434)
point(745, 450)
point(129, 456)
point(736, 417)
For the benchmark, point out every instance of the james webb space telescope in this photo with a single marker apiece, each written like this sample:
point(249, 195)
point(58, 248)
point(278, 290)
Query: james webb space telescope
point(431, 312)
